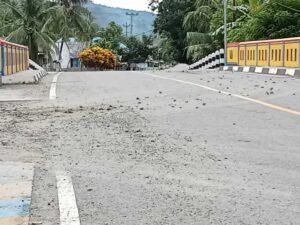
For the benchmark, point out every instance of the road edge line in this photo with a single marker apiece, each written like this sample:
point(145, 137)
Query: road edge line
point(52, 93)
point(66, 200)
point(266, 104)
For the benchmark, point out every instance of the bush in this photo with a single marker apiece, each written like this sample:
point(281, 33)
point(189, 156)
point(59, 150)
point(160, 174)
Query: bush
point(96, 56)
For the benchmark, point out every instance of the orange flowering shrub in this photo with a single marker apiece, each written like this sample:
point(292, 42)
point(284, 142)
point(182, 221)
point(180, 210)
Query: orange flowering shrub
point(96, 56)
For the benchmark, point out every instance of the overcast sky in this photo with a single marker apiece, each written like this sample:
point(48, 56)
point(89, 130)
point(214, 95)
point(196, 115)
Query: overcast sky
point(127, 4)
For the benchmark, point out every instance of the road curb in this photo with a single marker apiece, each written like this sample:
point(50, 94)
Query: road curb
point(39, 75)
point(289, 72)
point(24, 77)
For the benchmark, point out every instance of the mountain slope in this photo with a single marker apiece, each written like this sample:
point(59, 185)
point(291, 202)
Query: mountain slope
point(104, 14)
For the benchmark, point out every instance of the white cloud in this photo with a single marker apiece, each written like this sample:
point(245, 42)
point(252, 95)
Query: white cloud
point(126, 4)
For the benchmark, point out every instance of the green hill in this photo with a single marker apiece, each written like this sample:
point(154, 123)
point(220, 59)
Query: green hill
point(143, 23)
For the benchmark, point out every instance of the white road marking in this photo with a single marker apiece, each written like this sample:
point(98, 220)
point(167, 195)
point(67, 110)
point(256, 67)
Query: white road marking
point(67, 201)
point(19, 99)
point(52, 94)
point(269, 105)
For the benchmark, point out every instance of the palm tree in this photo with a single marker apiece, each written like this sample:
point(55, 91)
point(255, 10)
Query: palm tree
point(264, 19)
point(37, 23)
point(199, 39)
point(200, 18)
point(4, 17)
point(68, 3)
point(71, 20)
point(26, 24)
point(204, 36)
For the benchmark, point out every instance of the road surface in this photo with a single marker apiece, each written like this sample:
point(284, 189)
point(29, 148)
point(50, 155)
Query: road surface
point(157, 148)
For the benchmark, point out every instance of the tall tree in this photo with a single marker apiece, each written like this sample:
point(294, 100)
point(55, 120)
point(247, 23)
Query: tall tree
point(39, 23)
point(200, 40)
point(137, 49)
point(70, 18)
point(26, 23)
point(268, 19)
point(111, 37)
point(170, 17)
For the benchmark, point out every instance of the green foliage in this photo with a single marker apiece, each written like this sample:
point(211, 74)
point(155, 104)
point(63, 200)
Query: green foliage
point(202, 24)
point(273, 19)
point(199, 45)
point(166, 50)
point(39, 23)
point(137, 50)
point(25, 23)
point(170, 17)
point(199, 39)
point(111, 37)
point(130, 49)
point(70, 19)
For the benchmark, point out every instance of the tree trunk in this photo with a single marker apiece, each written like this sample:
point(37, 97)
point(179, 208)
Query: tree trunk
point(33, 51)
point(234, 11)
point(61, 49)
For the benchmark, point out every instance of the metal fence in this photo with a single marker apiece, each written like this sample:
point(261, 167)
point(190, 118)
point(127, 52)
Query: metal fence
point(13, 58)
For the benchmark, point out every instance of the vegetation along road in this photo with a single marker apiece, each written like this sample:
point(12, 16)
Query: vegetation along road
point(158, 148)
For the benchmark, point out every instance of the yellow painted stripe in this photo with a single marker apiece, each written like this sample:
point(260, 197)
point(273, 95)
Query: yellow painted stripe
point(280, 108)
point(269, 105)
point(20, 189)
point(18, 220)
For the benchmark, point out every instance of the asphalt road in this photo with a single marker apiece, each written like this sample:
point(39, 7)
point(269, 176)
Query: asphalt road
point(159, 148)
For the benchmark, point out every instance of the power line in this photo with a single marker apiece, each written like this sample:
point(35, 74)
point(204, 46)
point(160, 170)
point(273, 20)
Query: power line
point(145, 32)
point(131, 20)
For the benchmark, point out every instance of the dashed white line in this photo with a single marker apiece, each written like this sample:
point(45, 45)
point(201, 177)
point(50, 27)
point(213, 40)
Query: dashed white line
point(52, 94)
point(269, 105)
point(67, 201)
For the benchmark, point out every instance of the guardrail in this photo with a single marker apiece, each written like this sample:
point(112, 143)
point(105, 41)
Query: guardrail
point(211, 61)
point(13, 58)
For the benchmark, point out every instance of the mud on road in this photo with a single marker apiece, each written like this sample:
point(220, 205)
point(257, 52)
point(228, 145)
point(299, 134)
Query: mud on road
point(109, 149)
point(165, 153)
point(123, 171)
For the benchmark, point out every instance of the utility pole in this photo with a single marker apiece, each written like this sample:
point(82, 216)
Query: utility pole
point(225, 32)
point(131, 20)
point(126, 28)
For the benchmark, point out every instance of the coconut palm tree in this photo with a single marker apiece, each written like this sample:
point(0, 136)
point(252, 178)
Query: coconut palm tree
point(4, 17)
point(71, 20)
point(207, 34)
point(39, 23)
point(268, 19)
point(26, 23)
point(199, 39)
point(68, 3)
